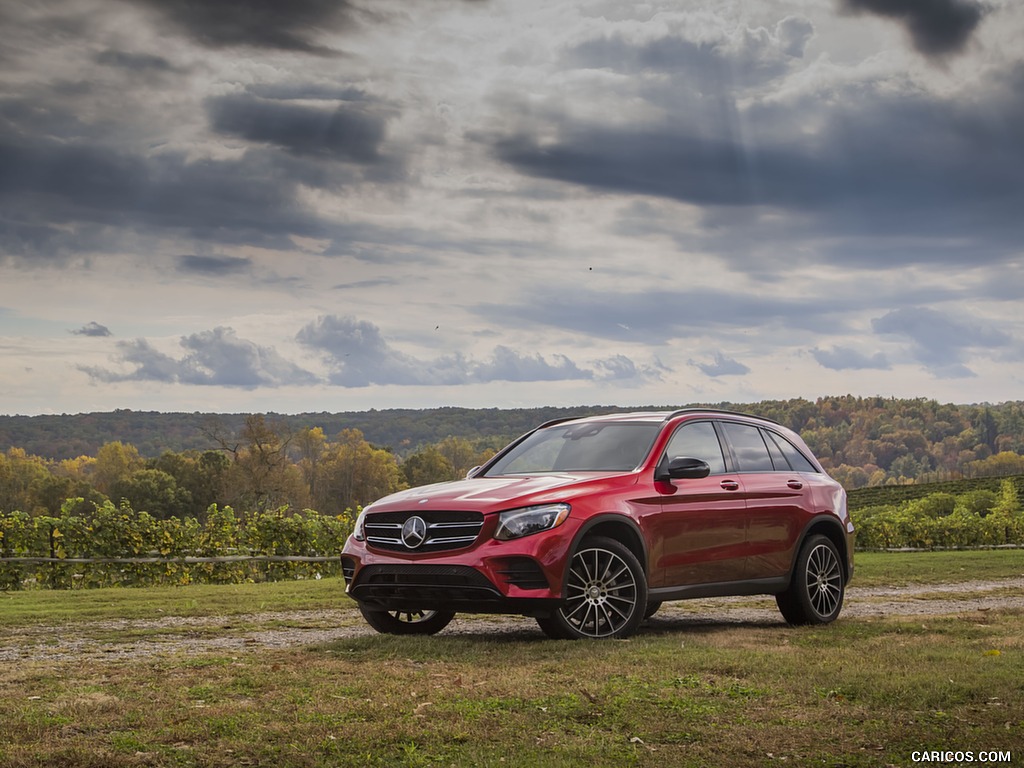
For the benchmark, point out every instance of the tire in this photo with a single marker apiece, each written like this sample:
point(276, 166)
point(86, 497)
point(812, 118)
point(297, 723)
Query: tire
point(606, 594)
point(407, 622)
point(653, 606)
point(815, 593)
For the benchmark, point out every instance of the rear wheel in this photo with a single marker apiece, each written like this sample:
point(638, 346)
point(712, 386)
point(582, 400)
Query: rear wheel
point(606, 594)
point(815, 595)
point(407, 622)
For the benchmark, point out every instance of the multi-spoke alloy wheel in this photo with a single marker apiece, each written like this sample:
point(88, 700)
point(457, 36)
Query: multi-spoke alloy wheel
point(606, 593)
point(407, 622)
point(815, 595)
point(824, 580)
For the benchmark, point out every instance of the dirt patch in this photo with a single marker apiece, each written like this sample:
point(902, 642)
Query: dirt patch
point(131, 639)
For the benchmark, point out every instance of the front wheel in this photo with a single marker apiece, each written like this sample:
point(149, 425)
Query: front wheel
point(407, 622)
point(815, 595)
point(606, 594)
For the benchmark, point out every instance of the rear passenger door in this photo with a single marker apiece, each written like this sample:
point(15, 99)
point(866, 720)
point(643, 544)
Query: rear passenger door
point(778, 498)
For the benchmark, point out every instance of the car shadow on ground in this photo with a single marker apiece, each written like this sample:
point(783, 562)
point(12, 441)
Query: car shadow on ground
point(525, 631)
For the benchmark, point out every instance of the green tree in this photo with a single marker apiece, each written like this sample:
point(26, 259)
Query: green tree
point(427, 466)
point(200, 474)
point(51, 494)
point(153, 491)
point(1007, 502)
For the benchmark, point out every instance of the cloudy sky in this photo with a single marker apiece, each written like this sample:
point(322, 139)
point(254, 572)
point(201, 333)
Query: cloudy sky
point(353, 204)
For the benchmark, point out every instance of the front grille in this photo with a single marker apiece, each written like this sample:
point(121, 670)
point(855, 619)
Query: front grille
point(445, 530)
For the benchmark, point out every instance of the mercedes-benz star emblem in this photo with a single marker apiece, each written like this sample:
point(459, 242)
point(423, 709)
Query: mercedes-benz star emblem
point(414, 532)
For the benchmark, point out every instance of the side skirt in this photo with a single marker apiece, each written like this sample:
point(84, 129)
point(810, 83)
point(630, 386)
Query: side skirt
point(720, 589)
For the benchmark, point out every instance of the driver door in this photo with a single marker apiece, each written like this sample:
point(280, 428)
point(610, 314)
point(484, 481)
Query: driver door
point(700, 534)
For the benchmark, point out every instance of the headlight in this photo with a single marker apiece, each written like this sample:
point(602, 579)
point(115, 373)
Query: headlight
point(517, 523)
point(357, 530)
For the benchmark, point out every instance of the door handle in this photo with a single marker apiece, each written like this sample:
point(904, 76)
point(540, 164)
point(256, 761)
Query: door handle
point(730, 485)
point(796, 485)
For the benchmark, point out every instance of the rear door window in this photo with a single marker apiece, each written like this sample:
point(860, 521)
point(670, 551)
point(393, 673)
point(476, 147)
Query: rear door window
point(748, 447)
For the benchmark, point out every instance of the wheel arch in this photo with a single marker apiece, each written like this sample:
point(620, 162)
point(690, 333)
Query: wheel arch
point(619, 527)
point(830, 528)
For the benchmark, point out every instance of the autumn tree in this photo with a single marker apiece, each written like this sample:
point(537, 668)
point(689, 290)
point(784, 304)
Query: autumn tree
point(355, 473)
point(19, 472)
point(310, 448)
point(115, 461)
point(260, 475)
point(461, 454)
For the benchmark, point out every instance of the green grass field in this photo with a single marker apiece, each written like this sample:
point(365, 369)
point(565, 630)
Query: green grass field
point(860, 692)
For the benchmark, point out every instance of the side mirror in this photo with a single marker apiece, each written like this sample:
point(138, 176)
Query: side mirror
point(683, 468)
point(472, 472)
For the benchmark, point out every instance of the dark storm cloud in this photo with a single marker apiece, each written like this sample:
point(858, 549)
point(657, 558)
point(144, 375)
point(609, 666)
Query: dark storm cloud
point(666, 164)
point(295, 25)
point(92, 329)
point(348, 132)
point(214, 266)
point(216, 357)
point(939, 342)
point(134, 61)
point(48, 185)
point(360, 356)
point(295, 91)
point(936, 27)
point(657, 317)
point(880, 163)
point(847, 359)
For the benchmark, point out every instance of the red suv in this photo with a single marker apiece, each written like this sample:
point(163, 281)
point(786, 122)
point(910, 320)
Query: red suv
point(589, 524)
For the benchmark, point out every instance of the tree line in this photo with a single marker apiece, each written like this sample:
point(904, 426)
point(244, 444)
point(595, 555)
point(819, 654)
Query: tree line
point(262, 466)
point(264, 461)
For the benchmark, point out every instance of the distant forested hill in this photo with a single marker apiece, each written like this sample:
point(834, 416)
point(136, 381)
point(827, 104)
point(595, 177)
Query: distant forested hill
point(862, 441)
point(152, 433)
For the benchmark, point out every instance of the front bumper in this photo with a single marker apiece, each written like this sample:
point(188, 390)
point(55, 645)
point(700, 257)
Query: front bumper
point(523, 576)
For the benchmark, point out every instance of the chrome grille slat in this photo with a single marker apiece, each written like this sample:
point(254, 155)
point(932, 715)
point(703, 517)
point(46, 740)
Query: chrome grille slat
point(450, 540)
point(445, 530)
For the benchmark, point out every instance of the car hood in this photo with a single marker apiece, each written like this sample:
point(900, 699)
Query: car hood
point(492, 494)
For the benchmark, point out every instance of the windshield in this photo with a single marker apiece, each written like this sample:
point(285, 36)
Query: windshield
point(587, 447)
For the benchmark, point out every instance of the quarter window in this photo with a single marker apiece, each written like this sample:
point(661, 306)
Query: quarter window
point(781, 465)
point(698, 441)
point(796, 459)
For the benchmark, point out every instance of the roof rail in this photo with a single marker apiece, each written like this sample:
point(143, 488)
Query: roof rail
point(697, 409)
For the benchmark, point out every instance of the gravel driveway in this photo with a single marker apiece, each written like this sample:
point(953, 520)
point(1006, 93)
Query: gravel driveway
point(131, 639)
